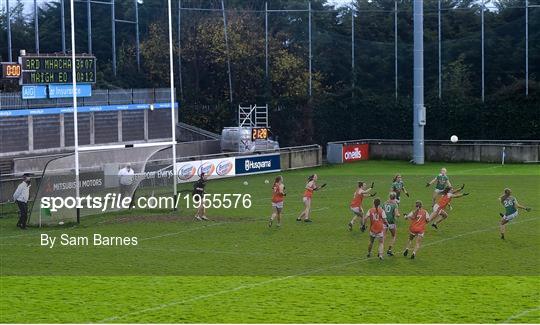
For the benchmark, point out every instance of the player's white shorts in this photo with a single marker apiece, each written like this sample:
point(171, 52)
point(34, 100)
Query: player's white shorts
point(414, 234)
point(376, 234)
point(390, 226)
point(510, 216)
point(278, 205)
point(306, 199)
point(438, 191)
point(437, 208)
point(357, 210)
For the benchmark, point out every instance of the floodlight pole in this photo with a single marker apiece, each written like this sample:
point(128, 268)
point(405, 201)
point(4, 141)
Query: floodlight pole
point(395, 50)
point(418, 83)
point(173, 115)
point(113, 37)
point(526, 47)
point(180, 85)
point(89, 24)
point(74, 89)
point(36, 26)
point(8, 17)
point(439, 39)
point(483, 66)
point(63, 26)
point(352, 50)
point(227, 49)
point(137, 48)
point(266, 40)
point(310, 56)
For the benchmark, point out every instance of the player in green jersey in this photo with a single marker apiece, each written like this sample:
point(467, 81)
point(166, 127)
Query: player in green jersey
point(441, 182)
point(398, 187)
point(391, 210)
point(511, 207)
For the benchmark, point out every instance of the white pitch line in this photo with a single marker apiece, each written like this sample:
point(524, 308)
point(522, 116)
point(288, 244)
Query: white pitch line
point(173, 303)
point(184, 231)
point(523, 313)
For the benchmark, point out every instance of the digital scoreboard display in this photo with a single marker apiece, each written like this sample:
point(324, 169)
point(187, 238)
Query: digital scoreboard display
point(38, 70)
point(259, 134)
point(11, 70)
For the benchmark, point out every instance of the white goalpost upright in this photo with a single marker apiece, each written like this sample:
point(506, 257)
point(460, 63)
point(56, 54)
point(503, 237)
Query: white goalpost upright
point(74, 89)
point(78, 149)
point(171, 77)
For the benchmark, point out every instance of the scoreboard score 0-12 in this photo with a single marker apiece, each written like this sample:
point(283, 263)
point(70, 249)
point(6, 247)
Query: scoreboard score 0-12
point(40, 69)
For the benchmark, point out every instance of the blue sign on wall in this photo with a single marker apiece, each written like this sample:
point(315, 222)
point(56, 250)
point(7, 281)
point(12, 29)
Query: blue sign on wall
point(66, 91)
point(258, 164)
point(82, 109)
point(34, 92)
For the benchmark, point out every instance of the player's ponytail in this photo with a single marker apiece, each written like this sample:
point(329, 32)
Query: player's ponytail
point(376, 204)
point(506, 194)
point(360, 184)
point(276, 180)
point(310, 178)
point(396, 177)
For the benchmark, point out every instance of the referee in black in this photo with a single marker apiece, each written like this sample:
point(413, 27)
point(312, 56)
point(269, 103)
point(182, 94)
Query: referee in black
point(198, 191)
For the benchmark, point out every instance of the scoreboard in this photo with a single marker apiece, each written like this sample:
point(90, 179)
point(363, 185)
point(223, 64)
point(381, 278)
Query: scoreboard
point(42, 69)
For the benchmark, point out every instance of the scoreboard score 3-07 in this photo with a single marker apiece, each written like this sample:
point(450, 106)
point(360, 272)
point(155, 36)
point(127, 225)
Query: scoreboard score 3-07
point(54, 69)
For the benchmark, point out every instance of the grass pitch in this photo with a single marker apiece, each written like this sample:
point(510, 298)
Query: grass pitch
point(235, 269)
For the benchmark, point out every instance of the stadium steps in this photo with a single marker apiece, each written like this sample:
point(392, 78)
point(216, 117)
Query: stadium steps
point(186, 133)
point(6, 166)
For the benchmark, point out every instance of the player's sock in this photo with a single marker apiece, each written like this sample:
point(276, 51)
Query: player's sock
point(413, 255)
point(405, 252)
point(380, 257)
point(363, 228)
point(368, 255)
point(270, 223)
point(350, 226)
point(502, 236)
point(434, 225)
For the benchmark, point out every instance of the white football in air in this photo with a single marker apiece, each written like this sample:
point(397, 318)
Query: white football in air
point(61, 223)
point(246, 183)
point(454, 139)
point(266, 181)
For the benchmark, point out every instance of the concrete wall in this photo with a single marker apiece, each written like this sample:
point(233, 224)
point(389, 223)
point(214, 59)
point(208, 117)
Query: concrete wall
point(490, 152)
point(293, 158)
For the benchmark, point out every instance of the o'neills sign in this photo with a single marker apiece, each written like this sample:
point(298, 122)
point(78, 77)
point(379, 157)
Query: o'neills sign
point(355, 152)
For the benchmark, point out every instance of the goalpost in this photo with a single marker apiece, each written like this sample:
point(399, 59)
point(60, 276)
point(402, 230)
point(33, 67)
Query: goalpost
point(145, 149)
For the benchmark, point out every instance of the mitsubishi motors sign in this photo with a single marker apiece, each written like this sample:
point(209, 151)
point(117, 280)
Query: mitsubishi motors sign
point(355, 152)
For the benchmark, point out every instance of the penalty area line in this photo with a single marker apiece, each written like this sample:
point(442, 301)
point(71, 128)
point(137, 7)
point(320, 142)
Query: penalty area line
point(255, 285)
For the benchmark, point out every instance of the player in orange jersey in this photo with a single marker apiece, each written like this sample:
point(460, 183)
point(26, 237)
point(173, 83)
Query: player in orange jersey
point(311, 186)
point(419, 218)
point(377, 221)
point(439, 213)
point(278, 196)
point(356, 204)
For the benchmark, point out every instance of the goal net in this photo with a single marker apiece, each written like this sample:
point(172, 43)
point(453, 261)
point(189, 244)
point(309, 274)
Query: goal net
point(103, 173)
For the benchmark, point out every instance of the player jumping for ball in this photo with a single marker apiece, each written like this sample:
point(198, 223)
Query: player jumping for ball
point(356, 204)
point(278, 196)
point(377, 221)
point(392, 212)
point(439, 213)
point(511, 207)
point(419, 218)
point(398, 186)
point(442, 181)
point(311, 186)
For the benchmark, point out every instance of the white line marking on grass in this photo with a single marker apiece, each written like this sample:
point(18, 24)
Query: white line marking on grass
point(184, 231)
point(196, 298)
point(523, 313)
